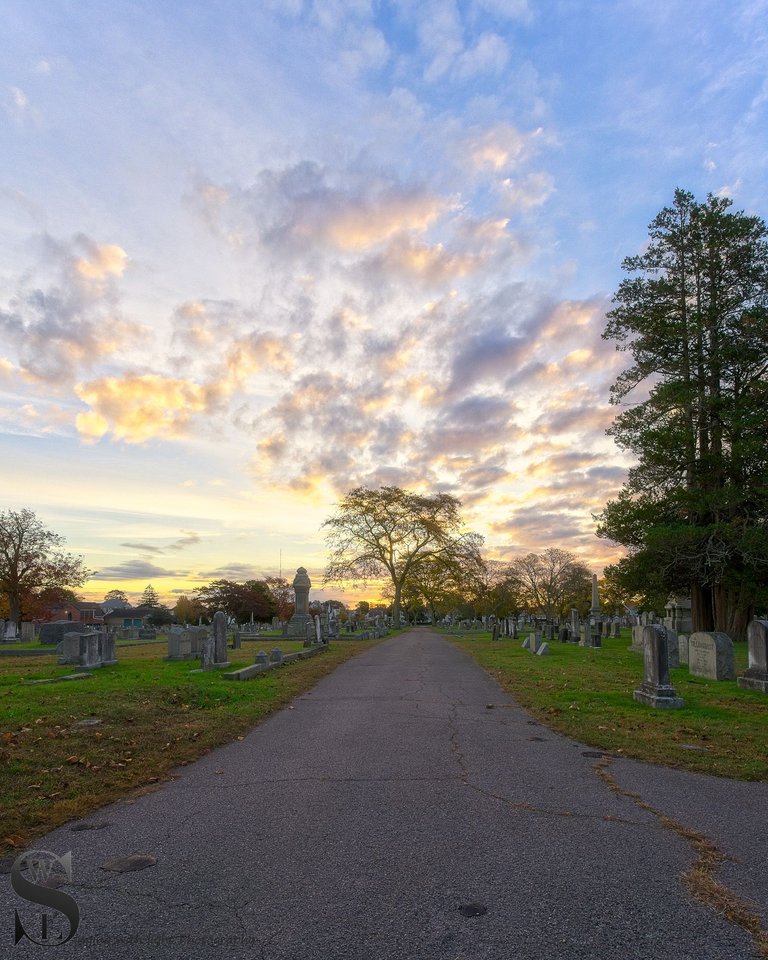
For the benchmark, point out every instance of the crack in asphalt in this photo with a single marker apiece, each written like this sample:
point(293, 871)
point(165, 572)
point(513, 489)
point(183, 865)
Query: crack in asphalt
point(699, 879)
point(523, 806)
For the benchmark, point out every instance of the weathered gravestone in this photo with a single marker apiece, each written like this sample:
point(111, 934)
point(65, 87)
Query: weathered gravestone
point(656, 690)
point(495, 634)
point(710, 655)
point(682, 647)
point(179, 644)
point(220, 658)
point(27, 632)
point(69, 648)
point(563, 635)
point(207, 649)
point(108, 654)
point(90, 653)
point(276, 656)
point(54, 632)
point(756, 675)
point(673, 647)
point(637, 638)
point(262, 658)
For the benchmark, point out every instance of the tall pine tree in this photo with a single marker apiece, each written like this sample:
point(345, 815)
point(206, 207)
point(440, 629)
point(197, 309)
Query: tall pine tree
point(694, 318)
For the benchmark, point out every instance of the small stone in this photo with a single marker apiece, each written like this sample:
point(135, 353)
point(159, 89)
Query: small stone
point(489, 706)
point(136, 861)
point(88, 722)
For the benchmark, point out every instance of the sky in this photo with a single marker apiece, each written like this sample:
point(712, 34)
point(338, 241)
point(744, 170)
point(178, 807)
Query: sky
point(256, 254)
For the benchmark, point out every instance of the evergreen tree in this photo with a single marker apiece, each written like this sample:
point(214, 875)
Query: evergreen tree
point(150, 597)
point(694, 317)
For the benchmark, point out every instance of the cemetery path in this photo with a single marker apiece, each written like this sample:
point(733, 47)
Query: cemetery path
point(407, 808)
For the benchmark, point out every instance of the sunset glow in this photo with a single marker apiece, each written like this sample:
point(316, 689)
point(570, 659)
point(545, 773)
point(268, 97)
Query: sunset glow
point(255, 255)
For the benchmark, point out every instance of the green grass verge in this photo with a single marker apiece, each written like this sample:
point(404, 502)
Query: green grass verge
point(587, 694)
point(154, 715)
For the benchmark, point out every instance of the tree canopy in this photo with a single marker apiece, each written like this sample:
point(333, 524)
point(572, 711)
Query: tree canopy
point(390, 534)
point(238, 600)
point(551, 582)
point(693, 315)
point(31, 560)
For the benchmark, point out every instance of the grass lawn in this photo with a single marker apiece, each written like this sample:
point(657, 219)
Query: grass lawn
point(587, 694)
point(154, 716)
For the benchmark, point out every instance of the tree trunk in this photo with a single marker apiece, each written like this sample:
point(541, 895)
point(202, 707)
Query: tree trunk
point(702, 609)
point(733, 612)
point(396, 604)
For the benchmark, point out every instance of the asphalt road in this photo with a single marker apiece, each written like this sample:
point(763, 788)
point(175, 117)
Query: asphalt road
point(367, 819)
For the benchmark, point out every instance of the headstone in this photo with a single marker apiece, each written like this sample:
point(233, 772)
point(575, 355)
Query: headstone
point(656, 690)
point(682, 647)
point(756, 675)
point(297, 625)
point(495, 633)
point(710, 655)
point(90, 655)
point(179, 644)
point(318, 631)
point(108, 654)
point(236, 639)
point(542, 650)
point(207, 652)
point(27, 633)
point(11, 633)
point(535, 639)
point(54, 633)
point(276, 656)
point(70, 648)
point(220, 658)
point(637, 638)
point(262, 658)
point(147, 633)
point(595, 608)
point(197, 637)
point(563, 635)
point(673, 648)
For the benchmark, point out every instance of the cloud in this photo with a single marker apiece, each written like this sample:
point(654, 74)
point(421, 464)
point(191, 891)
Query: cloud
point(190, 539)
point(489, 55)
point(135, 570)
point(501, 148)
point(103, 261)
point(142, 547)
point(70, 319)
point(139, 407)
point(308, 207)
point(232, 571)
